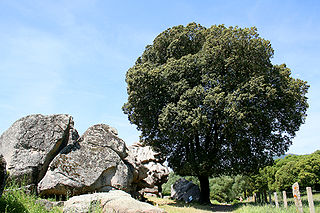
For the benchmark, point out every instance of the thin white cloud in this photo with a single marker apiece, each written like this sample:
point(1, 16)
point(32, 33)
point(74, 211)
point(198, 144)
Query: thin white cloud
point(30, 68)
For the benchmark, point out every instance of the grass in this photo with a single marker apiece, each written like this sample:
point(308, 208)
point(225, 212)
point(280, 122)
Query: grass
point(15, 200)
point(95, 208)
point(172, 206)
point(250, 208)
point(265, 208)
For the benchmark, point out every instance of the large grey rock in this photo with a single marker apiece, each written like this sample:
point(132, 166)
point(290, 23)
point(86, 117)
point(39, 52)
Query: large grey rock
point(150, 172)
point(3, 174)
point(112, 201)
point(94, 163)
point(32, 142)
point(185, 190)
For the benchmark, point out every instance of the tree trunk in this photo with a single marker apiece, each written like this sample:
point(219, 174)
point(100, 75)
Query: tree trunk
point(265, 196)
point(204, 190)
point(258, 197)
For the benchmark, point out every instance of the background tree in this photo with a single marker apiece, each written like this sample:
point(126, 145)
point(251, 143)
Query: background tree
point(212, 102)
point(222, 189)
point(303, 169)
point(265, 180)
point(228, 188)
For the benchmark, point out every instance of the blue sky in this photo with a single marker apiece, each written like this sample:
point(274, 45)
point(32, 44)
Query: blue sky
point(71, 56)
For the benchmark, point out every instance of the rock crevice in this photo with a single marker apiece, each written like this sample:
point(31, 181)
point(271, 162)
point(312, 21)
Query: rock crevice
point(60, 144)
point(31, 143)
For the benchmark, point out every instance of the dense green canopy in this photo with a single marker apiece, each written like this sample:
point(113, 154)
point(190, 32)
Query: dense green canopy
point(304, 169)
point(211, 100)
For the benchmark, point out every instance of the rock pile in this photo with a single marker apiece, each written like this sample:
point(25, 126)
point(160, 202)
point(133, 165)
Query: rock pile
point(47, 151)
point(150, 172)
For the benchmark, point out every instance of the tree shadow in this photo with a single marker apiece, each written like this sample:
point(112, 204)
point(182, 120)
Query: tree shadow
point(226, 207)
point(12, 205)
point(315, 202)
point(207, 207)
point(230, 208)
point(223, 208)
point(305, 203)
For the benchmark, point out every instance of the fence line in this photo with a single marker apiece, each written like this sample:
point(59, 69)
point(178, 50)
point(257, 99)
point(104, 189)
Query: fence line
point(295, 194)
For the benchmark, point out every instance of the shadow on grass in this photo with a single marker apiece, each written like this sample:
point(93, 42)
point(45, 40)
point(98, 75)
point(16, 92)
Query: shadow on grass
point(11, 204)
point(218, 207)
point(221, 207)
point(315, 202)
point(207, 207)
point(305, 204)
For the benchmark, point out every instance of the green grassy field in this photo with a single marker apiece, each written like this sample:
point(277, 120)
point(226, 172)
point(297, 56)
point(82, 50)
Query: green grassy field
point(250, 208)
point(176, 206)
point(16, 201)
point(172, 206)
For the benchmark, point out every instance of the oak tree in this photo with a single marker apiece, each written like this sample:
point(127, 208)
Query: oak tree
point(211, 100)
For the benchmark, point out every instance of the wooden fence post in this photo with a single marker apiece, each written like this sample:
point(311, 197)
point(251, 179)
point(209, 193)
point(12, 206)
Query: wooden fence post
point(276, 199)
point(296, 196)
point(310, 200)
point(285, 203)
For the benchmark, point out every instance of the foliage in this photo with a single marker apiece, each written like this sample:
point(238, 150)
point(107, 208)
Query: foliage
point(228, 188)
point(304, 169)
point(223, 189)
point(15, 200)
point(95, 207)
point(166, 187)
point(211, 100)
